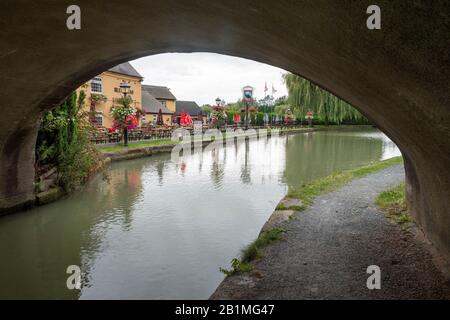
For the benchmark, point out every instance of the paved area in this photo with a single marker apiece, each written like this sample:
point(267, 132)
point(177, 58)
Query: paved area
point(328, 247)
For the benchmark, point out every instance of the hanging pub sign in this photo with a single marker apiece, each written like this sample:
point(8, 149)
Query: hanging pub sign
point(248, 93)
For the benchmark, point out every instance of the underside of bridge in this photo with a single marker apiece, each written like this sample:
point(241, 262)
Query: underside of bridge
point(398, 76)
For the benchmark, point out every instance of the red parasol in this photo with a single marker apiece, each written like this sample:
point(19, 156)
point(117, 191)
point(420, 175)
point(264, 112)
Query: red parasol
point(237, 118)
point(183, 118)
point(189, 119)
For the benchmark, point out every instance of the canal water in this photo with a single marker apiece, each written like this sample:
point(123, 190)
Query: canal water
point(154, 229)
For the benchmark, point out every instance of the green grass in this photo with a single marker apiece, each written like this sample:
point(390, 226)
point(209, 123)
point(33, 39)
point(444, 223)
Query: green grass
point(393, 203)
point(237, 267)
point(139, 145)
point(283, 207)
point(253, 251)
point(308, 192)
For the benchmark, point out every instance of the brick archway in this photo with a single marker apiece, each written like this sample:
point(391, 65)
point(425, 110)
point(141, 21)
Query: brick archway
point(398, 77)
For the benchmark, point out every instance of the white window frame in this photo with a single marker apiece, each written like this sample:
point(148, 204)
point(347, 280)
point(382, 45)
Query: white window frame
point(98, 81)
point(99, 115)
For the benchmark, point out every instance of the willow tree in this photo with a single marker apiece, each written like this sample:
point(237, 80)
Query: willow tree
point(305, 96)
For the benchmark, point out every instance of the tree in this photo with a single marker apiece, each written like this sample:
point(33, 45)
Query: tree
point(123, 115)
point(218, 116)
point(63, 142)
point(206, 108)
point(235, 106)
point(305, 96)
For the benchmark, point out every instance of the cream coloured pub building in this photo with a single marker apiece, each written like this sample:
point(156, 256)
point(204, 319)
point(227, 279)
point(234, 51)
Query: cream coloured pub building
point(102, 92)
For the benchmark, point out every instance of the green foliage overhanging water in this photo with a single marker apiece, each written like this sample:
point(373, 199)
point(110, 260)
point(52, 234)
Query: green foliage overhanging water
point(305, 96)
point(63, 142)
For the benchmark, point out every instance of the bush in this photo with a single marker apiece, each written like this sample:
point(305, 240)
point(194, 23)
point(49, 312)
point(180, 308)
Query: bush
point(78, 162)
point(63, 142)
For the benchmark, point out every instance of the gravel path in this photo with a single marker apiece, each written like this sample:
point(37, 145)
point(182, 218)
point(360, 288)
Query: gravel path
point(328, 247)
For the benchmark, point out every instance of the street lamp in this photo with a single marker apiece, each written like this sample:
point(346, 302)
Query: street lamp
point(125, 89)
point(218, 114)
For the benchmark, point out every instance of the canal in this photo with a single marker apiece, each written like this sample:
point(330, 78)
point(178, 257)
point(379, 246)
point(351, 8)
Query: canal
point(154, 229)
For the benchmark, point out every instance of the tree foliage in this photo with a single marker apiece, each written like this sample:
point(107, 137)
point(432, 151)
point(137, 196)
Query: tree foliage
point(206, 108)
point(305, 96)
point(122, 109)
point(63, 142)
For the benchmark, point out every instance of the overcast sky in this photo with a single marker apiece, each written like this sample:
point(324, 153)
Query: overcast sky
point(202, 77)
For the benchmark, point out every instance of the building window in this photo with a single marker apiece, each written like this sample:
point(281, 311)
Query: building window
point(99, 120)
point(96, 85)
point(163, 102)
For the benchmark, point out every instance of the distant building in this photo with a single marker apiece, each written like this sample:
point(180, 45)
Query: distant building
point(188, 107)
point(164, 97)
point(267, 101)
point(103, 91)
point(152, 107)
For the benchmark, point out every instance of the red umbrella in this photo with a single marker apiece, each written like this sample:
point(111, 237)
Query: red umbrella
point(237, 118)
point(189, 119)
point(183, 118)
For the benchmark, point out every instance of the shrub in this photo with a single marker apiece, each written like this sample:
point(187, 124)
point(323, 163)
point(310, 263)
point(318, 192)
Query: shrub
point(63, 142)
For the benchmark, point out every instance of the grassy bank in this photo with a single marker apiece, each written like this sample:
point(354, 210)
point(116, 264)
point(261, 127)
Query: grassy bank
point(308, 192)
point(393, 203)
point(131, 146)
point(253, 251)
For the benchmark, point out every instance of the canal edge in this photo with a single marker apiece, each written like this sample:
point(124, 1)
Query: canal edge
point(57, 193)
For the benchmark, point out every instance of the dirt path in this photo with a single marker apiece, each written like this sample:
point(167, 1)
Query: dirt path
point(328, 247)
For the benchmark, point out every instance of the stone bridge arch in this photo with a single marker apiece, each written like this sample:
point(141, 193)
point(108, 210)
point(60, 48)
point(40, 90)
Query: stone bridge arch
point(398, 76)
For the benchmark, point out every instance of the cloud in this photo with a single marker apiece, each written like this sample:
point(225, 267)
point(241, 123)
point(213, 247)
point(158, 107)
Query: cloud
point(202, 77)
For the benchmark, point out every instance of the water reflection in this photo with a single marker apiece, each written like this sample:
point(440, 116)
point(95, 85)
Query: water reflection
point(153, 229)
point(318, 154)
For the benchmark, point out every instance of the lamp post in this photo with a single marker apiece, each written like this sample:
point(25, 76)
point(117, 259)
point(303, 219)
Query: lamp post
point(125, 90)
point(218, 110)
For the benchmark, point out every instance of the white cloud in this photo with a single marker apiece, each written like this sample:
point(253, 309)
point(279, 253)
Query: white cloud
point(202, 77)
